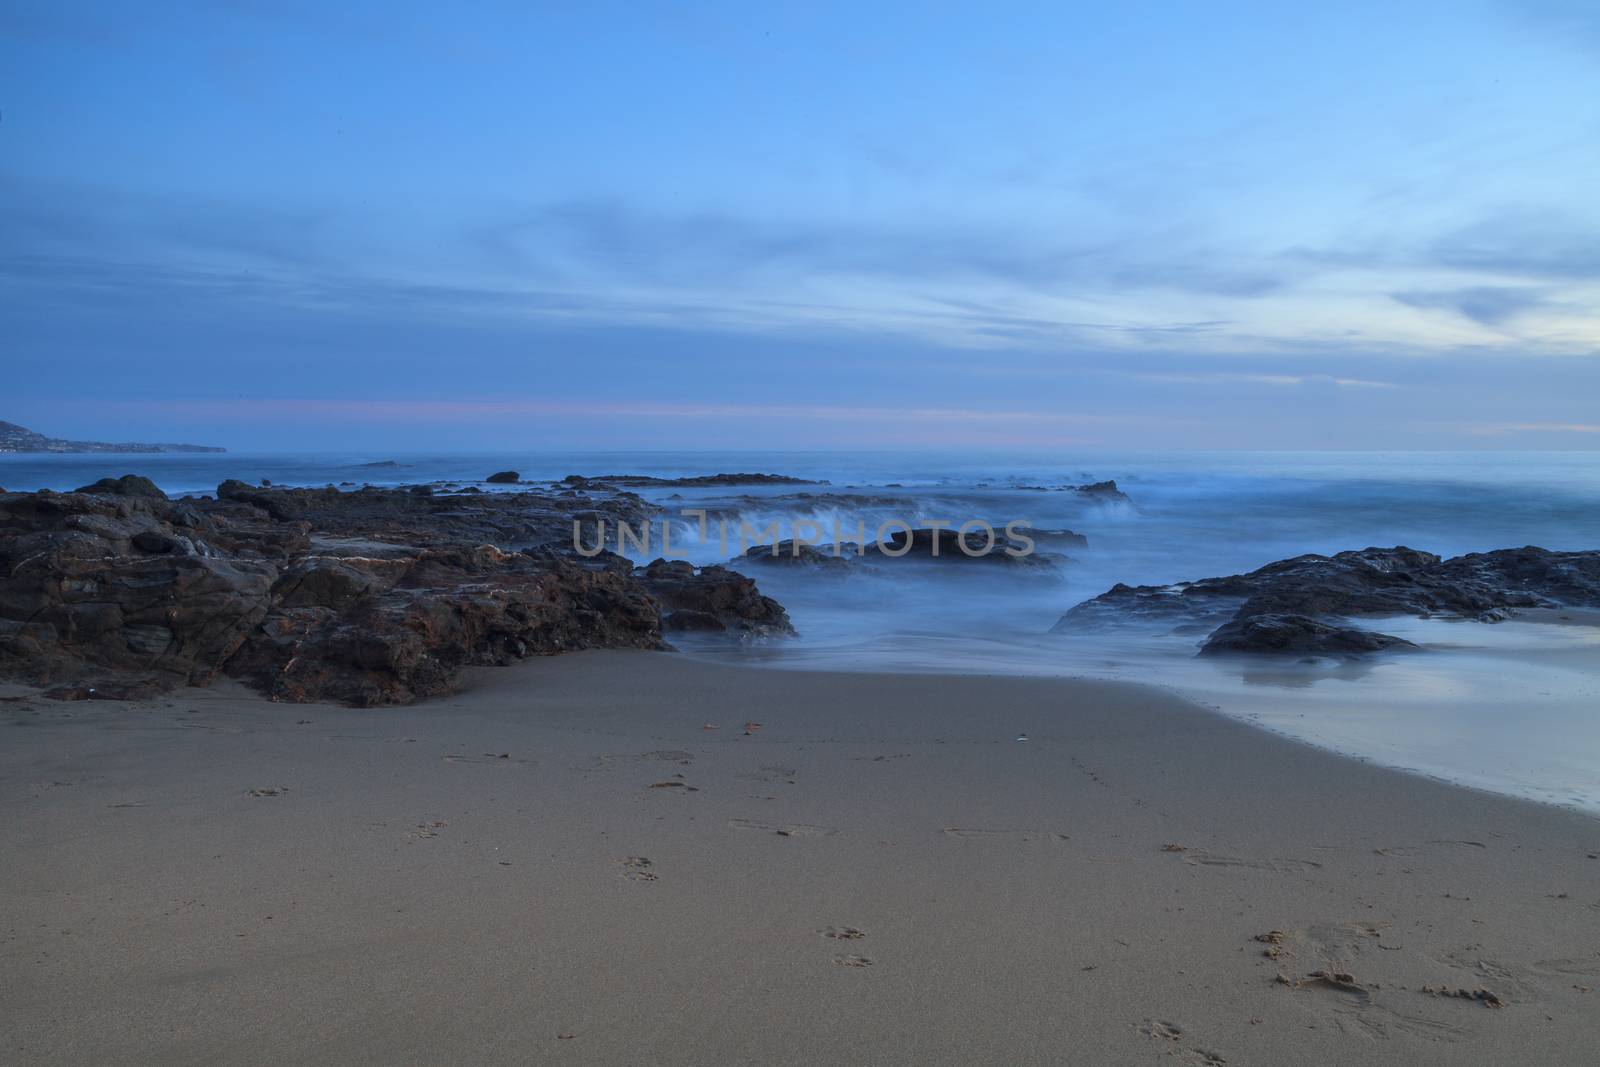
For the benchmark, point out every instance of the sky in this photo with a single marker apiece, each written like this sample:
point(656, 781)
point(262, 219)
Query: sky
point(767, 226)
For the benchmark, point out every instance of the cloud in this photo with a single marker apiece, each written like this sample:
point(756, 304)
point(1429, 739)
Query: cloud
point(1500, 429)
point(1485, 305)
point(1531, 243)
point(1236, 377)
point(608, 238)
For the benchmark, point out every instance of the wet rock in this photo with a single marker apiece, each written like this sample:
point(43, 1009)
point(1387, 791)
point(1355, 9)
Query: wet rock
point(725, 595)
point(951, 545)
point(407, 635)
point(635, 481)
point(374, 596)
point(1368, 583)
point(836, 559)
point(1106, 490)
point(504, 478)
point(1296, 635)
point(127, 485)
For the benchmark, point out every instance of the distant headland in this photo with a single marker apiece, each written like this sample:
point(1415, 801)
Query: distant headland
point(14, 438)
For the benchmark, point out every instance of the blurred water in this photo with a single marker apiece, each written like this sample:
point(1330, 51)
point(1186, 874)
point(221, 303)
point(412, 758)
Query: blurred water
point(1513, 707)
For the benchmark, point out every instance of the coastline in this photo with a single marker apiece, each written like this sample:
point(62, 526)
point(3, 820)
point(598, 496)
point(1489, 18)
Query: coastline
point(460, 879)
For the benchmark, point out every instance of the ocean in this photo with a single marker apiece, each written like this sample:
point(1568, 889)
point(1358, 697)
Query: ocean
point(1512, 707)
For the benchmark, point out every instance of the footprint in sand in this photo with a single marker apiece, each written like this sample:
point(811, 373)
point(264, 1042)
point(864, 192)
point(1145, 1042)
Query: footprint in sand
point(637, 869)
point(660, 755)
point(841, 933)
point(1197, 858)
point(852, 961)
point(499, 759)
point(793, 829)
point(1340, 958)
point(1016, 835)
point(1172, 1034)
point(770, 773)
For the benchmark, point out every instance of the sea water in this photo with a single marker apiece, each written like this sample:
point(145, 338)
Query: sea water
point(1513, 707)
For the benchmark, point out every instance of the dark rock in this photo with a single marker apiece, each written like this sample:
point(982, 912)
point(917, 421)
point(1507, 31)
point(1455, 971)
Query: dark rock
point(127, 485)
point(85, 594)
point(157, 543)
point(799, 553)
point(1296, 634)
point(635, 481)
point(375, 596)
point(1063, 537)
point(407, 635)
point(687, 619)
point(504, 478)
point(1370, 583)
point(728, 596)
point(1106, 490)
point(952, 545)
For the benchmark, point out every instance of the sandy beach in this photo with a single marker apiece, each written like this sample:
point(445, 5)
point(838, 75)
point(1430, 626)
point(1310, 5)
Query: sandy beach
point(565, 864)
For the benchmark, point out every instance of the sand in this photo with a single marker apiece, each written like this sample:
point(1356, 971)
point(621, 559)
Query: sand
point(563, 865)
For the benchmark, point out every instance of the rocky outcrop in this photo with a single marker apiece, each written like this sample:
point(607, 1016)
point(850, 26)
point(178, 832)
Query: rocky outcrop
point(369, 632)
point(1296, 635)
point(504, 478)
point(366, 597)
point(1058, 536)
point(713, 599)
point(113, 585)
point(1106, 490)
point(1369, 583)
point(944, 544)
point(127, 485)
point(790, 553)
point(638, 481)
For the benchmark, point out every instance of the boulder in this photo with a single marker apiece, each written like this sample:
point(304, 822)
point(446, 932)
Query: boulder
point(950, 545)
point(376, 596)
point(1296, 635)
point(127, 485)
point(1365, 583)
point(504, 478)
point(724, 595)
point(1106, 490)
point(801, 554)
point(407, 635)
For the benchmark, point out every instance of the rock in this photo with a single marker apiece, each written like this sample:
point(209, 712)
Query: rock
point(375, 596)
point(407, 634)
point(1106, 490)
point(689, 619)
point(1296, 634)
point(947, 544)
point(101, 585)
point(504, 478)
point(127, 485)
point(635, 481)
point(1061, 536)
point(724, 595)
point(797, 553)
point(1370, 583)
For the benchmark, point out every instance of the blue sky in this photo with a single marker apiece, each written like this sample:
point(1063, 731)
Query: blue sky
point(824, 225)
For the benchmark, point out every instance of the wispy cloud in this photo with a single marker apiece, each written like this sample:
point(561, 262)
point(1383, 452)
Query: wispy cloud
point(1486, 305)
point(1500, 429)
point(1235, 378)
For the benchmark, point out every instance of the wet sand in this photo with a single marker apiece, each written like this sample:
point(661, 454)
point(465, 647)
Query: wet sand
point(563, 865)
